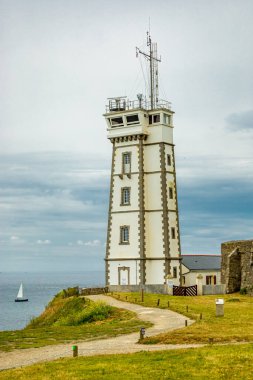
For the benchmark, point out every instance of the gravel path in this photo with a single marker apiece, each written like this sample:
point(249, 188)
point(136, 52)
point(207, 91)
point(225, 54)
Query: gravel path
point(163, 320)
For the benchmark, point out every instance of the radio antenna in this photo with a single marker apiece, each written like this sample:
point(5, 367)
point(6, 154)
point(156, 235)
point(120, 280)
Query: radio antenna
point(153, 70)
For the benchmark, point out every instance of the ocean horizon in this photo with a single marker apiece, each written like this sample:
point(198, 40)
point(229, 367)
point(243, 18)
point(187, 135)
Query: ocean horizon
point(39, 288)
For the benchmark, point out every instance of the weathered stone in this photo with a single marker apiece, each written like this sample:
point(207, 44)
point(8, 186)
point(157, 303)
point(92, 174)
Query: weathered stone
point(237, 265)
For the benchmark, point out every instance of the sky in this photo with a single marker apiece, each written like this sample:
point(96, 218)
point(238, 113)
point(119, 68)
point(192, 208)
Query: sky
point(60, 61)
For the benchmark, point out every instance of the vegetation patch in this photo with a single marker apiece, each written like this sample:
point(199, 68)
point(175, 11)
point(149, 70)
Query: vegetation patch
point(235, 326)
point(212, 362)
point(71, 319)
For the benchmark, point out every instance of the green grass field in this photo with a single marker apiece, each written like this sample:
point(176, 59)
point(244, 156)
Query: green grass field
point(235, 326)
point(212, 362)
point(71, 319)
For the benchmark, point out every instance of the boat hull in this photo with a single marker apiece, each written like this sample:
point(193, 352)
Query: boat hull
point(21, 300)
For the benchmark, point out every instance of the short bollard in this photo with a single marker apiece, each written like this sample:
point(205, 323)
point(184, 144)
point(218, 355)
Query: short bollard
point(158, 302)
point(187, 308)
point(200, 316)
point(75, 351)
point(186, 323)
point(219, 307)
point(142, 333)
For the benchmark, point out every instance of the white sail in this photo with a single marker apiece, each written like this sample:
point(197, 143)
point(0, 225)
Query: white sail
point(20, 292)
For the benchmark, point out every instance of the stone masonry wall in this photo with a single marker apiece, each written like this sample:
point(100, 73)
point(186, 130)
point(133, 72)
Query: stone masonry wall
point(237, 265)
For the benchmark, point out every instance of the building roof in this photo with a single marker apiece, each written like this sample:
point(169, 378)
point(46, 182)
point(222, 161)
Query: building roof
point(202, 262)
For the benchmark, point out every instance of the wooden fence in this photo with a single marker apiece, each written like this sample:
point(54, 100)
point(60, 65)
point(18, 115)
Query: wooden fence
point(185, 290)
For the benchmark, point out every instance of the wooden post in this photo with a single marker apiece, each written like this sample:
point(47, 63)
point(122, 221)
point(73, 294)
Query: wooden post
point(158, 302)
point(168, 303)
point(126, 298)
point(200, 317)
point(142, 333)
point(186, 323)
point(187, 308)
point(75, 351)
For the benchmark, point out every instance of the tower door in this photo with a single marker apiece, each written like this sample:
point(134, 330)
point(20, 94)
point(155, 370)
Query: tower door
point(124, 275)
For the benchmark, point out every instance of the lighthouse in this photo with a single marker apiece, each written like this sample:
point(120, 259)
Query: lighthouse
point(143, 238)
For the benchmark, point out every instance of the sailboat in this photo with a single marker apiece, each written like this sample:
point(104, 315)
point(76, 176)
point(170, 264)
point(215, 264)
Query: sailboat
point(20, 295)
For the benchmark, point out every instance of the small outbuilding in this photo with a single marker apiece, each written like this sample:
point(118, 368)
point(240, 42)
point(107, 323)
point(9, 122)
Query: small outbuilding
point(209, 266)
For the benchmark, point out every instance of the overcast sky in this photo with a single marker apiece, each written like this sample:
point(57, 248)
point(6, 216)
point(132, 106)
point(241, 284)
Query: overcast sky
point(60, 60)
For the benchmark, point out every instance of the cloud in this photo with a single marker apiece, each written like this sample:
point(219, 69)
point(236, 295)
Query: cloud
point(242, 121)
point(14, 238)
point(90, 243)
point(46, 242)
point(55, 199)
point(93, 243)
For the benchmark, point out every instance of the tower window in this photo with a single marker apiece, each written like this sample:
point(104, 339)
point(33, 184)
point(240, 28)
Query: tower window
point(124, 235)
point(170, 193)
point(169, 159)
point(156, 118)
point(132, 119)
point(175, 272)
point(125, 196)
point(173, 233)
point(166, 119)
point(116, 121)
point(126, 158)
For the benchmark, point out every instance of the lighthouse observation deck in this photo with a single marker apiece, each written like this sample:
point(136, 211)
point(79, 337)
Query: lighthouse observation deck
point(121, 104)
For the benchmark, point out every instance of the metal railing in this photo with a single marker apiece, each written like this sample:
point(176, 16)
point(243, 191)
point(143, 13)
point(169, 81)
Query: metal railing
point(122, 104)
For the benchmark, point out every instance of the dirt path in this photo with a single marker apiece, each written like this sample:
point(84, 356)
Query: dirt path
point(163, 320)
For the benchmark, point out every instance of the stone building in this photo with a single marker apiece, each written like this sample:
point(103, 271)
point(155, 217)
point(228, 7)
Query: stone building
point(237, 265)
point(208, 266)
point(143, 239)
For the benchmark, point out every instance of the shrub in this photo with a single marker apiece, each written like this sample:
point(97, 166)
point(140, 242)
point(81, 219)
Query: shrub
point(243, 291)
point(233, 300)
point(96, 311)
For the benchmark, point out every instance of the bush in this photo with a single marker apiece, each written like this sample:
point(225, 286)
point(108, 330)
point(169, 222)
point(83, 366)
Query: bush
point(243, 291)
point(69, 292)
point(97, 311)
point(233, 300)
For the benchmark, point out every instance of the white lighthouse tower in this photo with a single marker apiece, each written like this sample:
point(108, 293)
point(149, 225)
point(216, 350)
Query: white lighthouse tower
point(143, 240)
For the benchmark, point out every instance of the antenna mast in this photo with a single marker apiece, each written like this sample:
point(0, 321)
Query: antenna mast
point(153, 70)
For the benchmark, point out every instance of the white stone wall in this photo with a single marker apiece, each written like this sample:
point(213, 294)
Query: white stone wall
point(128, 215)
point(153, 228)
point(134, 271)
point(134, 157)
point(190, 277)
point(124, 250)
point(152, 191)
point(155, 272)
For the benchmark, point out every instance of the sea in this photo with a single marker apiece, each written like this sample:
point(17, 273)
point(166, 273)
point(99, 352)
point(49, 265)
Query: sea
point(39, 288)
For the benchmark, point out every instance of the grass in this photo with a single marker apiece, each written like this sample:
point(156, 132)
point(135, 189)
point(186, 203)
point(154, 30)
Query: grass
point(214, 362)
point(235, 326)
point(71, 319)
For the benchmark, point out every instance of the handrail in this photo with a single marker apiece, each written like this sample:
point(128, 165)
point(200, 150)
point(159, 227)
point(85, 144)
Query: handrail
point(121, 104)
